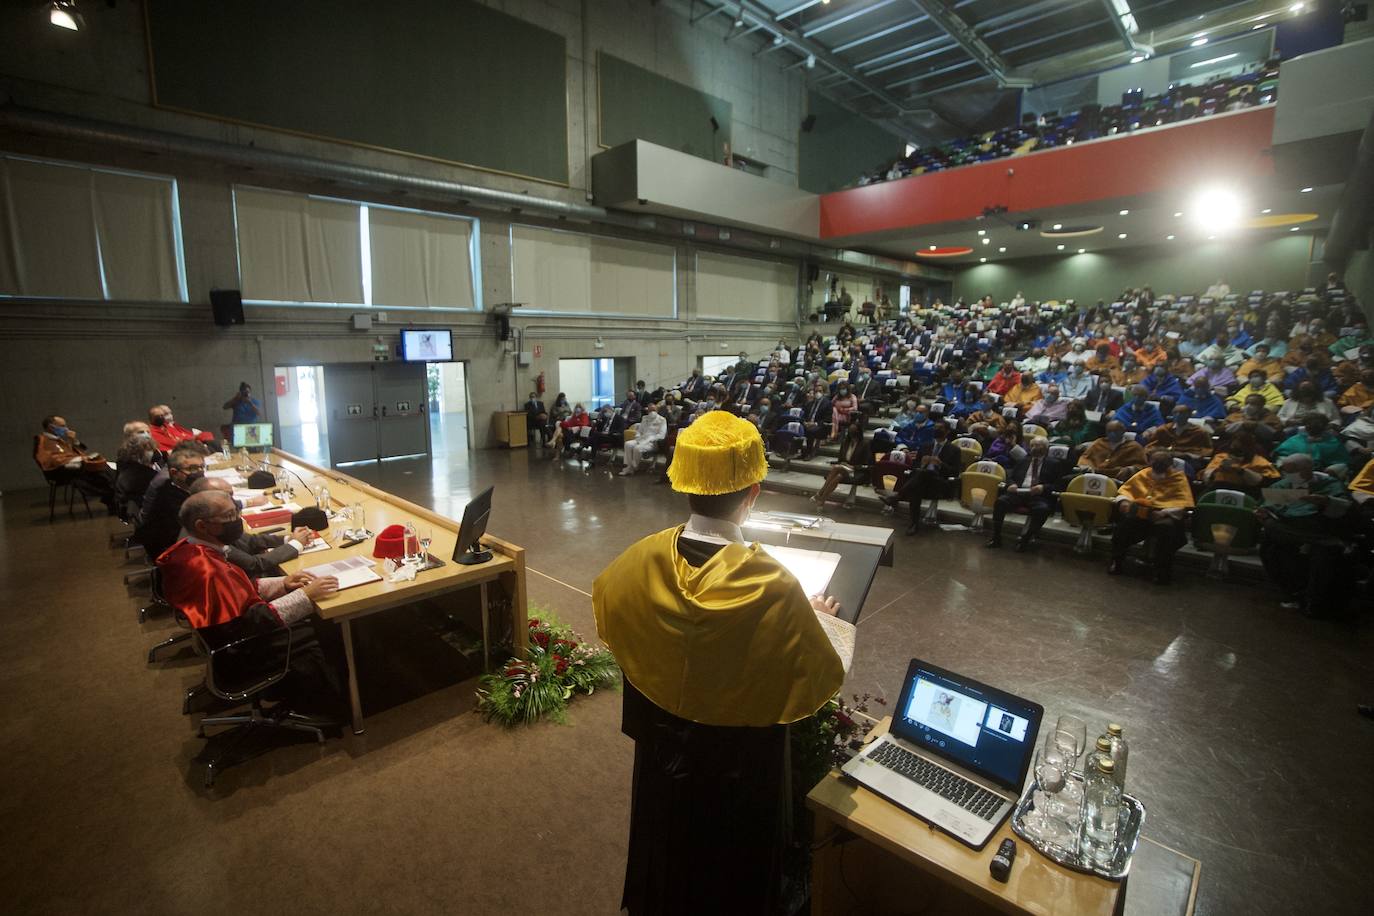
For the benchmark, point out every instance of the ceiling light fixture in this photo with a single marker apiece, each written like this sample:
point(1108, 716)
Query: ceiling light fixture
point(1124, 213)
point(1178, 214)
point(1199, 41)
point(63, 14)
point(932, 247)
point(987, 241)
point(1121, 235)
point(1082, 251)
point(982, 260)
point(1059, 247)
point(982, 232)
point(811, 62)
point(1305, 191)
point(1213, 60)
point(1257, 26)
point(1294, 229)
point(1058, 226)
point(1138, 59)
point(1267, 210)
point(1003, 248)
point(1298, 7)
point(1168, 238)
point(777, 40)
point(1217, 210)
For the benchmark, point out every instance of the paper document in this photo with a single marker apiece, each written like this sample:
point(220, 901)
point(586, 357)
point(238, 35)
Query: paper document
point(316, 545)
point(1276, 496)
point(230, 474)
point(350, 571)
point(812, 568)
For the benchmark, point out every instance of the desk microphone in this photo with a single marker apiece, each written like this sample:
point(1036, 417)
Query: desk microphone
point(282, 467)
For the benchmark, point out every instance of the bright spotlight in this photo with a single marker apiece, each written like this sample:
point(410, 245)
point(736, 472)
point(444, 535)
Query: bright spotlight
point(1138, 59)
point(1060, 247)
point(1306, 191)
point(1082, 250)
point(1121, 235)
point(982, 232)
point(63, 14)
point(1124, 213)
point(1199, 41)
point(1002, 249)
point(1217, 210)
point(1058, 226)
point(1178, 214)
point(987, 241)
point(982, 260)
point(1168, 238)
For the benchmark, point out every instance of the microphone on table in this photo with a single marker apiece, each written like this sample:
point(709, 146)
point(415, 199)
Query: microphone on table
point(313, 517)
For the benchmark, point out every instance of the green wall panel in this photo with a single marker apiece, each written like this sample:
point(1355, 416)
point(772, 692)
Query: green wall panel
point(447, 79)
point(841, 146)
point(637, 104)
point(1270, 264)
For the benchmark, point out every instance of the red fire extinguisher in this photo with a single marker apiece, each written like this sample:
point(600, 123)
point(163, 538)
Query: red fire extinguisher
point(539, 383)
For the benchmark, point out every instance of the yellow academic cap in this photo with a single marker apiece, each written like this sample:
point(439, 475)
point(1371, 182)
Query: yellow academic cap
point(719, 453)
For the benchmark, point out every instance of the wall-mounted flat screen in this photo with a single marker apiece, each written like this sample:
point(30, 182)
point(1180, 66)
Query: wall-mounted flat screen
point(427, 346)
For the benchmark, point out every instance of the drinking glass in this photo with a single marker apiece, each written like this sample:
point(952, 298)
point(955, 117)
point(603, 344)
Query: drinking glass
point(359, 516)
point(1048, 819)
point(1070, 736)
point(426, 538)
point(411, 547)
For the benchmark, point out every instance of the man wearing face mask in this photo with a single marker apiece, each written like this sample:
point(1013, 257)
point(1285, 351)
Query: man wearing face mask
point(1077, 384)
point(1049, 410)
point(226, 604)
point(1139, 416)
point(1152, 507)
point(255, 554)
point(58, 449)
point(167, 433)
point(1257, 383)
point(1316, 440)
point(1262, 363)
point(1221, 348)
point(156, 525)
point(1130, 373)
point(1181, 438)
point(1031, 488)
point(1301, 549)
point(935, 466)
point(720, 650)
point(1113, 455)
point(1217, 375)
point(1200, 399)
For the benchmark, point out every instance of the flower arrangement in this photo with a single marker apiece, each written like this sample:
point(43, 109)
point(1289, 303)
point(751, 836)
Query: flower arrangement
point(829, 738)
point(559, 664)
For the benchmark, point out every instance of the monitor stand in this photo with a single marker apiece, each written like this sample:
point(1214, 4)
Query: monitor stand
point(475, 555)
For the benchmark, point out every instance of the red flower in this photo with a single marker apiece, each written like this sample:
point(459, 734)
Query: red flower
point(560, 664)
point(541, 639)
point(534, 623)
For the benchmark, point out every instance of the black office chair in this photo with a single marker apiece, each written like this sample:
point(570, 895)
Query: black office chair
point(159, 600)
point(227, 680)
point(61, 479)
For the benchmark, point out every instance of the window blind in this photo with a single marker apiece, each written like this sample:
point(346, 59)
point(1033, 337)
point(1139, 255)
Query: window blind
point(294, 248)
point(136, 226)
point(745, 288)
point(47, 231)
point(585, 274)
point(420, 260)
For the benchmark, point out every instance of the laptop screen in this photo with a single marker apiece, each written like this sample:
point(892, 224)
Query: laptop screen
point(978, 727)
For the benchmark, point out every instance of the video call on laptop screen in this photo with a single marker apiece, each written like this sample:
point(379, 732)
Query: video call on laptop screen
point(984, 730)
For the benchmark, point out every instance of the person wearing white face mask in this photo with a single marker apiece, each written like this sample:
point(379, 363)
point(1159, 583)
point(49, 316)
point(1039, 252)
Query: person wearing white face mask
point(1077, 385)
point(1301, 546)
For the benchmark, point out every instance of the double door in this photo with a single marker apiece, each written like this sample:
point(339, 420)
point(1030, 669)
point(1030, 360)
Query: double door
point(376, 411)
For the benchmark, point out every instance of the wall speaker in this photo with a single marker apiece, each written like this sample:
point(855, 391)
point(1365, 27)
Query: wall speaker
point(807, 123)
point(227, 305)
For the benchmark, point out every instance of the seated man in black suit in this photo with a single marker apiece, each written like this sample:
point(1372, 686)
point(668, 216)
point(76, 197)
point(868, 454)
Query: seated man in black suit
point(937, 463)
point(157, 526)
point(536, 420)
point(816, 413)
point(608, 429)
point(1031, 488)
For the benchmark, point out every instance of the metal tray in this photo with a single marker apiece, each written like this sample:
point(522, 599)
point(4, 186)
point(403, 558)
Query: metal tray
point(1133, 811)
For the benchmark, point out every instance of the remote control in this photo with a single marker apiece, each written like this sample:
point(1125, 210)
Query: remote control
point(1000, 866)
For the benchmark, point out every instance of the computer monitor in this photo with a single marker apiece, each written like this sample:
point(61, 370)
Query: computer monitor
point(468, 550)
point(252, 435)
point(427, 345)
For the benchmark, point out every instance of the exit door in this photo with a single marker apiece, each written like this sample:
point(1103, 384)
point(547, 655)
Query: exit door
point(376, 411)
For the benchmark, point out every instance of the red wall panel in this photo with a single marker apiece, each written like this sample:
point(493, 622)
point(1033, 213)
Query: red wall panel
point(1231, 147)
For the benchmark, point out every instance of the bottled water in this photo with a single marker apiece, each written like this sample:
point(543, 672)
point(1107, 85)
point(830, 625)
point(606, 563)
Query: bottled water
point(1119, 754)
point(1101, 811)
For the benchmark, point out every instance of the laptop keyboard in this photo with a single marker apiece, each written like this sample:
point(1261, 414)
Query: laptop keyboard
point(967, 795)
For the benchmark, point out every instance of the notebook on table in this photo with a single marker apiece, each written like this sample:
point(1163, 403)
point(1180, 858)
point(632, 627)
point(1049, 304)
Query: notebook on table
point(956, 754)
point(350, 571)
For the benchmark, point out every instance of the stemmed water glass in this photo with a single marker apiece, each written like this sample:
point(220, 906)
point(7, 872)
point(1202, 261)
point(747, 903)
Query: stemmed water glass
point(426, 538)
point(1070, 737)
point(1047, 819)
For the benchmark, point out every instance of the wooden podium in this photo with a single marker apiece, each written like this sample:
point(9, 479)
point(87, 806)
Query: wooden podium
point(509, 428)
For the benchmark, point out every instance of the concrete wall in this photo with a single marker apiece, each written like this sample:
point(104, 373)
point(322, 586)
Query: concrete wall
point(1275, 263)
point(102, 363)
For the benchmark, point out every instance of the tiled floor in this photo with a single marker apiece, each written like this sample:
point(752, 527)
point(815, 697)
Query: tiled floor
point(1245, 745)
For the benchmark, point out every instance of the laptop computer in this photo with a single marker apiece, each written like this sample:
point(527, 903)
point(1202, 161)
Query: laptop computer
point(956, 754)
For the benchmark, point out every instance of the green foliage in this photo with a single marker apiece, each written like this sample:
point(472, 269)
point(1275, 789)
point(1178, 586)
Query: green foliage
point(540, 685)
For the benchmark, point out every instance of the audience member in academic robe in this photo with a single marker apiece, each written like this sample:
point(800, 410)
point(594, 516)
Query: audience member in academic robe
point(1151, 354)
point(1261, 361)
point(1151, 506)
point(1023, 394)
point(1263, 423)
point(1221, 348)
point(225, 603)
point(1102, 362)
point(1258, 383)
point(1005, 448)
point(1301, 549)
point(1075, 429)
point(156, 525)
point(720, 650)
point(1313, 371)
point(1163, 384)
point(58, 449)
point(1006, 378)
point(1113, 455)
point(1317, 440)
point(1139, 416)
point(1203, 402)
point(167, 433)
point(1181, 438)
point(1239, 467)
point(1306, 399)
point(1130, 373)
point(1049, 410)
point(1031, 488)
point(935, 466)
point(1349, 371)
point(1219, 376)
point(1358, 397)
